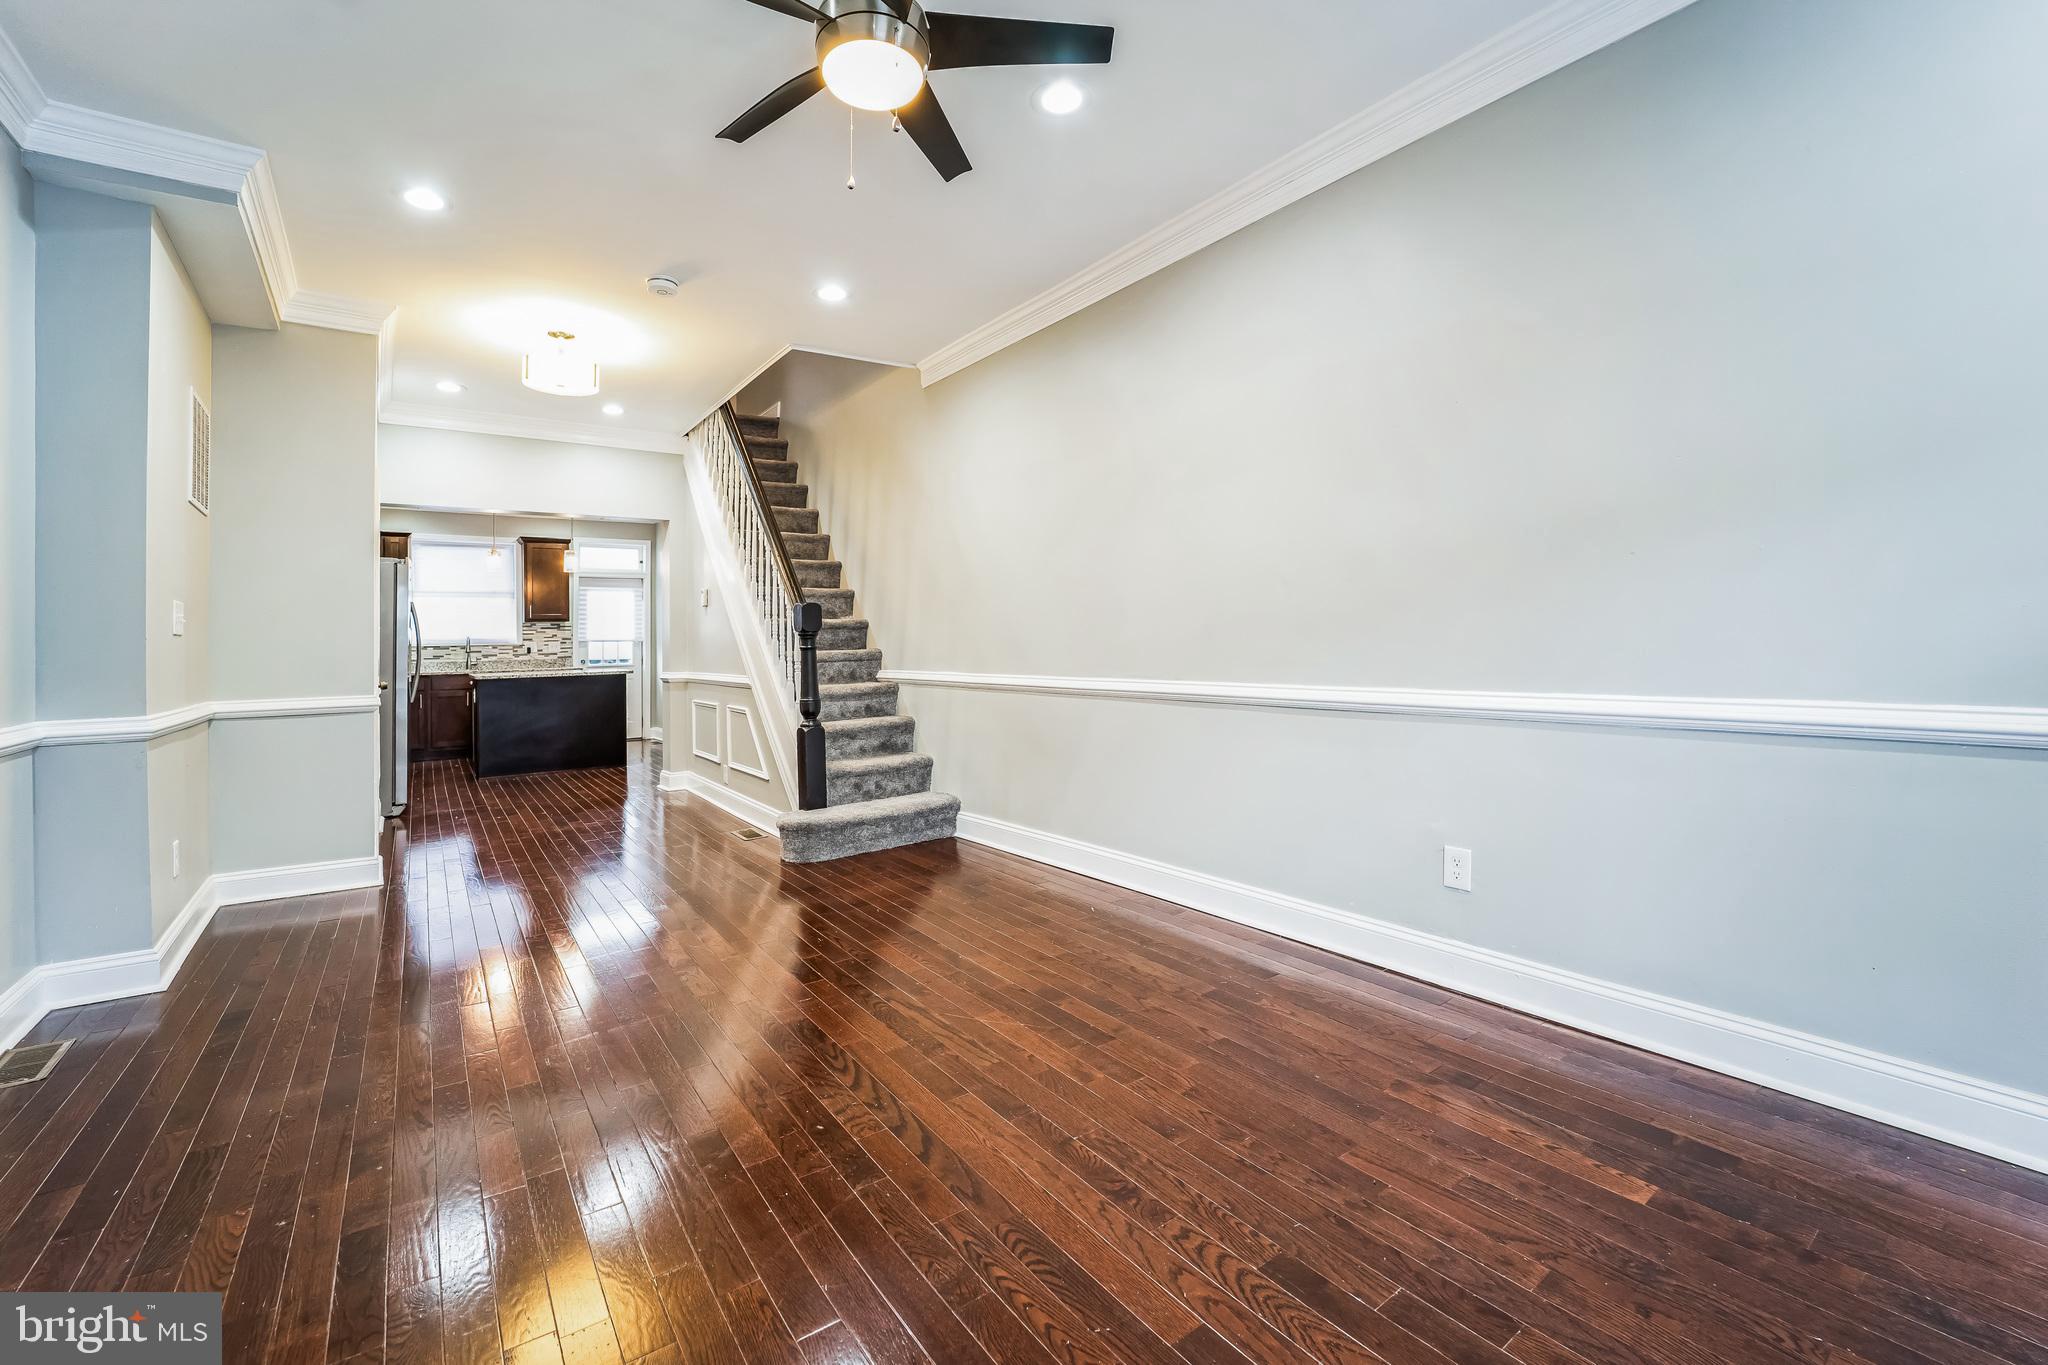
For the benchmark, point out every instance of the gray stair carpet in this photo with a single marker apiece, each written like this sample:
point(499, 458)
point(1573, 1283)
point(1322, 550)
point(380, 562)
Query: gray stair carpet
point(878, 788)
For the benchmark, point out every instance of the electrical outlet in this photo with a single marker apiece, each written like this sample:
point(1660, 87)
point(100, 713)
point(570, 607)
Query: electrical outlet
point(177, 858)
point(177, 618)
point(1457, 868)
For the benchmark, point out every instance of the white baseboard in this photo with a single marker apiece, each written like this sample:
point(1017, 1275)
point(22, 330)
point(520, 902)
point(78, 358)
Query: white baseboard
point(90, 980)
point(653, 734)
point(1997, 1120)
point(305, 879)
point(759, 814)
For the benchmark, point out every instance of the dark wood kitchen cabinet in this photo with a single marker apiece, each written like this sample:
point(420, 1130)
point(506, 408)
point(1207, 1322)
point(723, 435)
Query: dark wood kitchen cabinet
point(547, 578)
point(439, 721)
point(394, 544)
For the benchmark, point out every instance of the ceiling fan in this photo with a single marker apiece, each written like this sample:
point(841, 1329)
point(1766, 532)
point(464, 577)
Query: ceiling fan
point(873, 54)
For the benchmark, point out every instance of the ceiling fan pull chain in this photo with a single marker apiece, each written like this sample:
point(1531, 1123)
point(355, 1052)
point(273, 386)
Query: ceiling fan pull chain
point(849, 149)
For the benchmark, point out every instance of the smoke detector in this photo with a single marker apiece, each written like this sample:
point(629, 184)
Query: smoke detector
point(662, 286)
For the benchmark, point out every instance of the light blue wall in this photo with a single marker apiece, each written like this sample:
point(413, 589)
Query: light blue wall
point(17, 558)
point(92, 435)
point(92, 886)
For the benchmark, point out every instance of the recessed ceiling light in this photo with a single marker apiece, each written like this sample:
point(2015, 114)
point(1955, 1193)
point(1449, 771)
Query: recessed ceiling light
point(1061, 97)
point(614, 410)
point(425, 198)
point(832, 293)
point(449, 386)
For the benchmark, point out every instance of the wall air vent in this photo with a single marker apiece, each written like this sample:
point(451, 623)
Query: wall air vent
point(199, 459)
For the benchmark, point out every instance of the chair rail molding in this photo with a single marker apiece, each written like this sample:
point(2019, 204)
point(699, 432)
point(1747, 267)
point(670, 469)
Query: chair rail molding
point(1545, 42)
point(708, 679)
point(15, 739)
point(2002, 727)
point(1984, 1116)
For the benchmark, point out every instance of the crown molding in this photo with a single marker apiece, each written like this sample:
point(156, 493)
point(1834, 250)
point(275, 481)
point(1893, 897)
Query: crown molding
point(21, 95)
point(532, 428)
point(1516, 57)
point(126, 144)
point(263, 220)
point(1997, 727)
point(229, 171)
point(310, 308)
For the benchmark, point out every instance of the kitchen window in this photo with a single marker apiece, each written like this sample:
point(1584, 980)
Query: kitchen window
point(465, 594)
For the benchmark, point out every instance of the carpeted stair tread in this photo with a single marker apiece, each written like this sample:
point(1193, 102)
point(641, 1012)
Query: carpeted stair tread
point(868, 736)
point(768, 427)
point(848, 665)
point(769, 447)
point(851, 701)
point(810, 836)
point(848, 632)
point(876, 777)
point(802, 520)
point(807, 547)
point(775, 471)
point(816, 573)
point(836, 602)
point(786, 494)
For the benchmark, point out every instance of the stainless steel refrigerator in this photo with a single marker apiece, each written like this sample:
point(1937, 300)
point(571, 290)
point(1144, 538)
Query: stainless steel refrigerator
point(398, 680)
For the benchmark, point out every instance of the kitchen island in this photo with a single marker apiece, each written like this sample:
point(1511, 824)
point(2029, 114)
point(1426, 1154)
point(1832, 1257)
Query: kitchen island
point(545, 720)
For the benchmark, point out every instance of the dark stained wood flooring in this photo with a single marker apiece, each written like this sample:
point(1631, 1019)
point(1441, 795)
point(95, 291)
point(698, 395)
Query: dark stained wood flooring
point(595, 1080)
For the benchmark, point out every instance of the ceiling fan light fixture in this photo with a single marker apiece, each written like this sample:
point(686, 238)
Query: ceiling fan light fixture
point(558, 366)
point(872, 60)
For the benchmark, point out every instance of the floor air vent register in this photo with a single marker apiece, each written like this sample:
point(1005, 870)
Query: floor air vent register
point(25, 1065)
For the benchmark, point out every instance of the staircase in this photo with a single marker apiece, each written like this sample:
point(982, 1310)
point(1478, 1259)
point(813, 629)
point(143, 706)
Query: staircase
point(878, 788)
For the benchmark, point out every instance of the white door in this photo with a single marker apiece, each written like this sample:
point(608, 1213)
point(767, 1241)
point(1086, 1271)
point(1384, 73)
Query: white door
point(611, 632)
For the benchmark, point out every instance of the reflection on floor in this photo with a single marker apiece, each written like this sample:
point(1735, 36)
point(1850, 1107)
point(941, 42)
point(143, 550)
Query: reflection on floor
point(595, 1080)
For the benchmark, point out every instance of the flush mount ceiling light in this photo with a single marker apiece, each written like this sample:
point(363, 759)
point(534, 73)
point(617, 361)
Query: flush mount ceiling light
point(558, 366)
point(873, 54)
point(449, 386)
point(832, 293)
point(425, 198)
point(614, 410)
point(1061, 97)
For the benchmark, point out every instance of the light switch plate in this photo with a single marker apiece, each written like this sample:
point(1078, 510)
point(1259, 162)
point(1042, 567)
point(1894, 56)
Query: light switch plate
point(177, 618)
point(177, 858)
point(1457, 868)
point(707, 597)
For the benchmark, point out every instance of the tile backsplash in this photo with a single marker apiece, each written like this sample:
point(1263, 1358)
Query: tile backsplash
point(542, 643)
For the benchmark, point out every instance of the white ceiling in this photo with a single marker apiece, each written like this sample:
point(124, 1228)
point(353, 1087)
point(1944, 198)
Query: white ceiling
point(575, 145)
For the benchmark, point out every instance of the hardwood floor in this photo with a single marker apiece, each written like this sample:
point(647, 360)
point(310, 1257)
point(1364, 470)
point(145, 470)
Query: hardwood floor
point(595, 1080)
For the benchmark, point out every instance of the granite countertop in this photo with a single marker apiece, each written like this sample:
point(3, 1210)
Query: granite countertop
point(484, 673)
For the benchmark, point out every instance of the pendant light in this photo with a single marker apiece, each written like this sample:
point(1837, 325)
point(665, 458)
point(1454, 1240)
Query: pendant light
point(494, 536)
point(569, 555)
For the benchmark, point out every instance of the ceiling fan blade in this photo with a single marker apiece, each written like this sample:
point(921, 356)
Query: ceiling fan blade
point(786, 97)
point(933, 133)
point(795, 9)
point(977, 40)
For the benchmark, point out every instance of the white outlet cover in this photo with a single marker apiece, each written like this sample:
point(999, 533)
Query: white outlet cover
point(177, 618)
point(1457, 868)
point(177, 858)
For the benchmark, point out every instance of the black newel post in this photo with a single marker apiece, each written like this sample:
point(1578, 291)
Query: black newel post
point(810, 736)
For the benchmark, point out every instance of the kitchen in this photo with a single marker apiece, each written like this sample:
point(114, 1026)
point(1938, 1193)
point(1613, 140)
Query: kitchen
point(514, 643)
